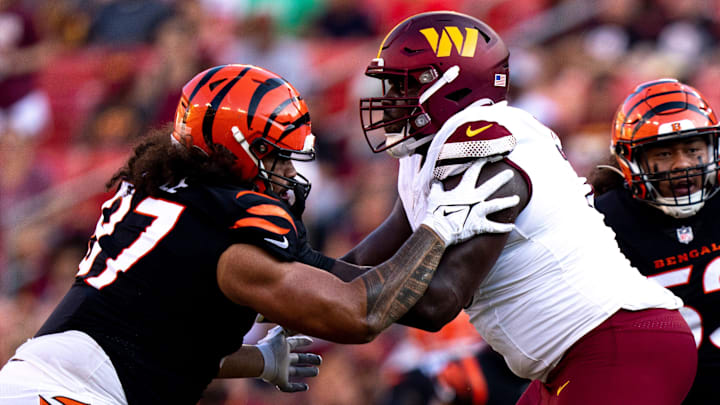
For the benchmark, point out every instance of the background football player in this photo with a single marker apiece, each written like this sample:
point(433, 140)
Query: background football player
point(662, 206)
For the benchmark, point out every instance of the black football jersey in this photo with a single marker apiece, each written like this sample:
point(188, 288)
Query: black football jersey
point(684, 256)
point(147, 289)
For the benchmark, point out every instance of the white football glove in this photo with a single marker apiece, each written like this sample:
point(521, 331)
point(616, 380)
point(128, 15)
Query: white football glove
point(282, 362)
point(461, 213)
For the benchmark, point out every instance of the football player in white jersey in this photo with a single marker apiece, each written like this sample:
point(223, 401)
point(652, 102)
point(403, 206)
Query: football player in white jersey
point(555, 296)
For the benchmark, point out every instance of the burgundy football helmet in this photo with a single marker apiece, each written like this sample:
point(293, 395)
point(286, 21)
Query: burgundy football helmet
point(436, 64)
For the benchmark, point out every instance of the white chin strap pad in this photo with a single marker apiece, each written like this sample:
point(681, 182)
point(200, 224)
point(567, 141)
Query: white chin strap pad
point(681, 211)
point(408, 147)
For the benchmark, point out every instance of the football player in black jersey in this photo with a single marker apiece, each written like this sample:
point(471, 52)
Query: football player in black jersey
point(204, 233)
point(661, 207)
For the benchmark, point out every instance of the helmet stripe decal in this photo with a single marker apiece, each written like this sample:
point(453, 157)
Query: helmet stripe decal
point(642, 100)
point(204, 81)
point(275, 113)
point(296, 124)
point(672, 105)
point(209, 118)
point(263, 89)
point(653, 83)
point(210, 73)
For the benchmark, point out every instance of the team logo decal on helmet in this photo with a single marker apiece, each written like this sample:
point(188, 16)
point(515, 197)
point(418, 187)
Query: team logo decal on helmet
point(442, 45)
point(250, 112)
point(661, 111)
point(431, 66)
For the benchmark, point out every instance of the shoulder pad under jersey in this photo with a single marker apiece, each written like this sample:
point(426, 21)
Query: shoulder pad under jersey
point(249, 217)
point(477, 139)
point(266, 222)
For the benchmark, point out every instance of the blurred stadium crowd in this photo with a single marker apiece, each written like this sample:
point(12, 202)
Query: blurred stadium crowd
point(82, 80)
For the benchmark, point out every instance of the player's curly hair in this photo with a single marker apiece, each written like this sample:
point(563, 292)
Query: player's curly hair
point(604, 178)
point(157, 161)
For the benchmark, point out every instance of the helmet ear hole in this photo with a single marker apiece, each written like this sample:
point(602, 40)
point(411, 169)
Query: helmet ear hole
point(428, 76)
point(259, 147)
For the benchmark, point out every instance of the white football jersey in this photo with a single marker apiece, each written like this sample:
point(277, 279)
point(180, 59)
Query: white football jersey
point(561, 272)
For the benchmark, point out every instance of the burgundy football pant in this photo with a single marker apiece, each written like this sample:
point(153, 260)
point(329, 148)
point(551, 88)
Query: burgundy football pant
point(633, 358)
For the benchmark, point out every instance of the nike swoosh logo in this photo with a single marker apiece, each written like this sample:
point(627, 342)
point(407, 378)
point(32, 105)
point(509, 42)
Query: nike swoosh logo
point(446, 212)
point(562, 387)
point(470, 132)
point(281, 244)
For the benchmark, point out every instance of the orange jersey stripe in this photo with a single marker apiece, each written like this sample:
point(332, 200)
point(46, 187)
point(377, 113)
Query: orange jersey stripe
point(242, 193)
point(260, 223)
point(271, 210)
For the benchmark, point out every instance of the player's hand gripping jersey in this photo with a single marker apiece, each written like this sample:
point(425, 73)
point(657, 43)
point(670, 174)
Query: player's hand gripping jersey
point(561, 273)
point(137, 264)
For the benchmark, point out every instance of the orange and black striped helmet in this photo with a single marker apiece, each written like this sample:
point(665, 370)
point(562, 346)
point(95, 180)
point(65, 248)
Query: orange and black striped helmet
point(661, 111)
point(251, 112)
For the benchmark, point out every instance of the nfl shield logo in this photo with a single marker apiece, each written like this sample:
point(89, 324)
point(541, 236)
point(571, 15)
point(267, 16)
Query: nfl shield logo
point(685, 234)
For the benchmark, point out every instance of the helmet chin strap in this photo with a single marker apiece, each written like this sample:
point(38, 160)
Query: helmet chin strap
point(408, 147)
point(451, 74)
point(686, 209)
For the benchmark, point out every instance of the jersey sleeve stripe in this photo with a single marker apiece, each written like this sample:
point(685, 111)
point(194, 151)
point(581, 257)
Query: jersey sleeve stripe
point(242, 193)
point(271, 210)
point(260, 223)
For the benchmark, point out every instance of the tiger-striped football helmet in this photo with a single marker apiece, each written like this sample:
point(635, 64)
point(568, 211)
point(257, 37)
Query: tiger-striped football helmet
point(657, 113)
point(251, 112)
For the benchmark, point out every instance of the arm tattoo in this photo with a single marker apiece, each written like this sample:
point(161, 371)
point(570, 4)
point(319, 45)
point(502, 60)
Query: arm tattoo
point(396, 285)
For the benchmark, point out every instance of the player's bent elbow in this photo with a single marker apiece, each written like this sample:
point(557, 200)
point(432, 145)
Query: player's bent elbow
point(435, 318)
point(359, 332)
point(367, 337)
point(372, 330)
point(346, 322)
point(371, 326)
point(436, 309)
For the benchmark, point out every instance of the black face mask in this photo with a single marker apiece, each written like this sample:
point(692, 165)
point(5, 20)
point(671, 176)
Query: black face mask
point(298, 187)
point(300, 191)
